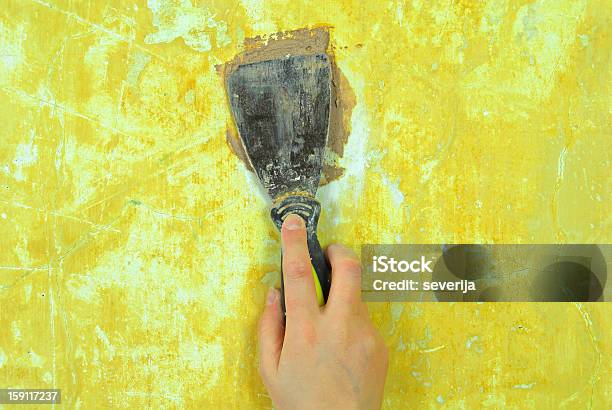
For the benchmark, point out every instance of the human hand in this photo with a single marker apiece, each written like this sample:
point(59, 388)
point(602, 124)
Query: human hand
point(328, 357)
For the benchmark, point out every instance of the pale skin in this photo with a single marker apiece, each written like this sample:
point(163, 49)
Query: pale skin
point(329, 357)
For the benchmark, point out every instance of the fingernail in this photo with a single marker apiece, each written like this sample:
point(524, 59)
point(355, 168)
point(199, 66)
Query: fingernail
point(271, 296)
point(293, 222)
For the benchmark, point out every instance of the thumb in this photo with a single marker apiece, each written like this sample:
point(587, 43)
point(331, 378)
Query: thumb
point(271, 334)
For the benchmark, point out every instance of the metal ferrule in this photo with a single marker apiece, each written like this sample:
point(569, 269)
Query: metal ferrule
point(305, 206)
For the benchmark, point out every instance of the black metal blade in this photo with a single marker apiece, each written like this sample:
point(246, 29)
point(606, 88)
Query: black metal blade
point(281, 108)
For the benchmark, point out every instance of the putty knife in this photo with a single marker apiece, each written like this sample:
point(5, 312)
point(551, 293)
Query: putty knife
point(281, 108)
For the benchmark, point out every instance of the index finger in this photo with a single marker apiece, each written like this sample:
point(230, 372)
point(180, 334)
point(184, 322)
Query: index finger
point(299, 285)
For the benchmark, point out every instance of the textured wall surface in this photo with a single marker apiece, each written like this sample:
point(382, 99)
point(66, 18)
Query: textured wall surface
point(136, 248)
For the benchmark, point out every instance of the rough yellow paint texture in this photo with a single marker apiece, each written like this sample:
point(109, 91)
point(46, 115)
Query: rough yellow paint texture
point(136, 249)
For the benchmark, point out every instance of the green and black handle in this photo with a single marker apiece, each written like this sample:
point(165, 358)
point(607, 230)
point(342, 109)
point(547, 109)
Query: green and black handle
point(309, 209)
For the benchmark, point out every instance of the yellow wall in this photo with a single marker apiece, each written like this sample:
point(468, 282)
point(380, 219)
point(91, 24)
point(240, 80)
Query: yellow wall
point(135, 248)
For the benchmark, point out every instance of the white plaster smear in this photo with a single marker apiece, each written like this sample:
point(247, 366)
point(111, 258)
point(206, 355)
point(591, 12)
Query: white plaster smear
point(354, 161)
point(193, 24)
point(204, 356)
point(12, 55)
point(107, 344)
point(25, 156)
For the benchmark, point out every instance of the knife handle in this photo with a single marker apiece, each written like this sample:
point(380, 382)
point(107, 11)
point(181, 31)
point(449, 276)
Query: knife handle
point(309, 209)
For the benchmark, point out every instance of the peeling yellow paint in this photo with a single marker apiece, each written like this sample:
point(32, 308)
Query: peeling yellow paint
point(136, 249)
